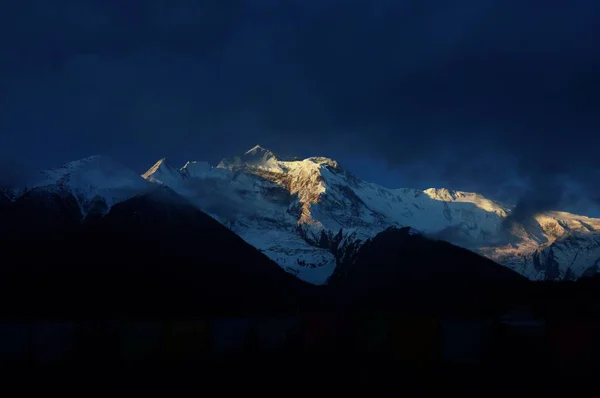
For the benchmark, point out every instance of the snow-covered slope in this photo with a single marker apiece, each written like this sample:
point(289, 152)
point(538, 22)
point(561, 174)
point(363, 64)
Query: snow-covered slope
point(259, 210)
point(310, 214)
point(555, 245)
point(97, 182)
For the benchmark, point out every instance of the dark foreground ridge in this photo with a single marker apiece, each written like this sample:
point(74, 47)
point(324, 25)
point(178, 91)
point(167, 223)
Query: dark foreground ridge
point(402, 270)
point(156, 281)
point(152, 255)
point(156, 255)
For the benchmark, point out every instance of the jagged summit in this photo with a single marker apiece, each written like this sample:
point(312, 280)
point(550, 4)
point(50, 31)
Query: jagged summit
point(255, 156)
point(257, 150)
point(259, 155)
point(155, 167)
point(321, 160)
point(162, 172)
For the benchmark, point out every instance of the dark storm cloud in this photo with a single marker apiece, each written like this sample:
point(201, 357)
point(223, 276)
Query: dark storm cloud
point(476, 94)
point(542, 195)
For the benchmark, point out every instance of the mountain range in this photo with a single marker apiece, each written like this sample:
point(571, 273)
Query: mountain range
point(148, 255)
point(311, 216)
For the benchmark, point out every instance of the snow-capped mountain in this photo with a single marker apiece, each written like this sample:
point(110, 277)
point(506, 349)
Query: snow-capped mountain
point(97, 182)
point(310, 215)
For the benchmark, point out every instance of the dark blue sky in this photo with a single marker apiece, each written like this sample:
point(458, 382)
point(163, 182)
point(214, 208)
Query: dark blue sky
point(470, 94)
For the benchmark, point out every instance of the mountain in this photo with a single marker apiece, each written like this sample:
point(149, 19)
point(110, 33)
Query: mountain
point(4, 198)
point(310, 215)
point(152, 254)
point(4, 201)
point(554, 246)
point(91, 180)
point(400, 269)
point(53, 202)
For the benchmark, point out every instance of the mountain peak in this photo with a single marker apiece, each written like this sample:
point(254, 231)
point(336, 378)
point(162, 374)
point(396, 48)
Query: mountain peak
point(256, 149)
point(259, 154)
point(161, 170)
point(160, 164)
point(325, 161)
point(255, 156)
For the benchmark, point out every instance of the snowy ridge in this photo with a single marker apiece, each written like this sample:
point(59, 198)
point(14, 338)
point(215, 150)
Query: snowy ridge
point(91, 179)
point(261, 210)
point(163, 171)
point(310, 214)
point(559, 246)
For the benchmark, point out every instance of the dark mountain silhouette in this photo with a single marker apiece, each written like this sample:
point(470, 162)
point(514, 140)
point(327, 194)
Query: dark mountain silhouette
point(4, 204)
point(402, 271)
point(154, 254)
point(568, 299)
point(4, 199)
point(43, 214)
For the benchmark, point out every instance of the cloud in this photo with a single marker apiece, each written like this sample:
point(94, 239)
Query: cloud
point(543, 195)
point(473, 94)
